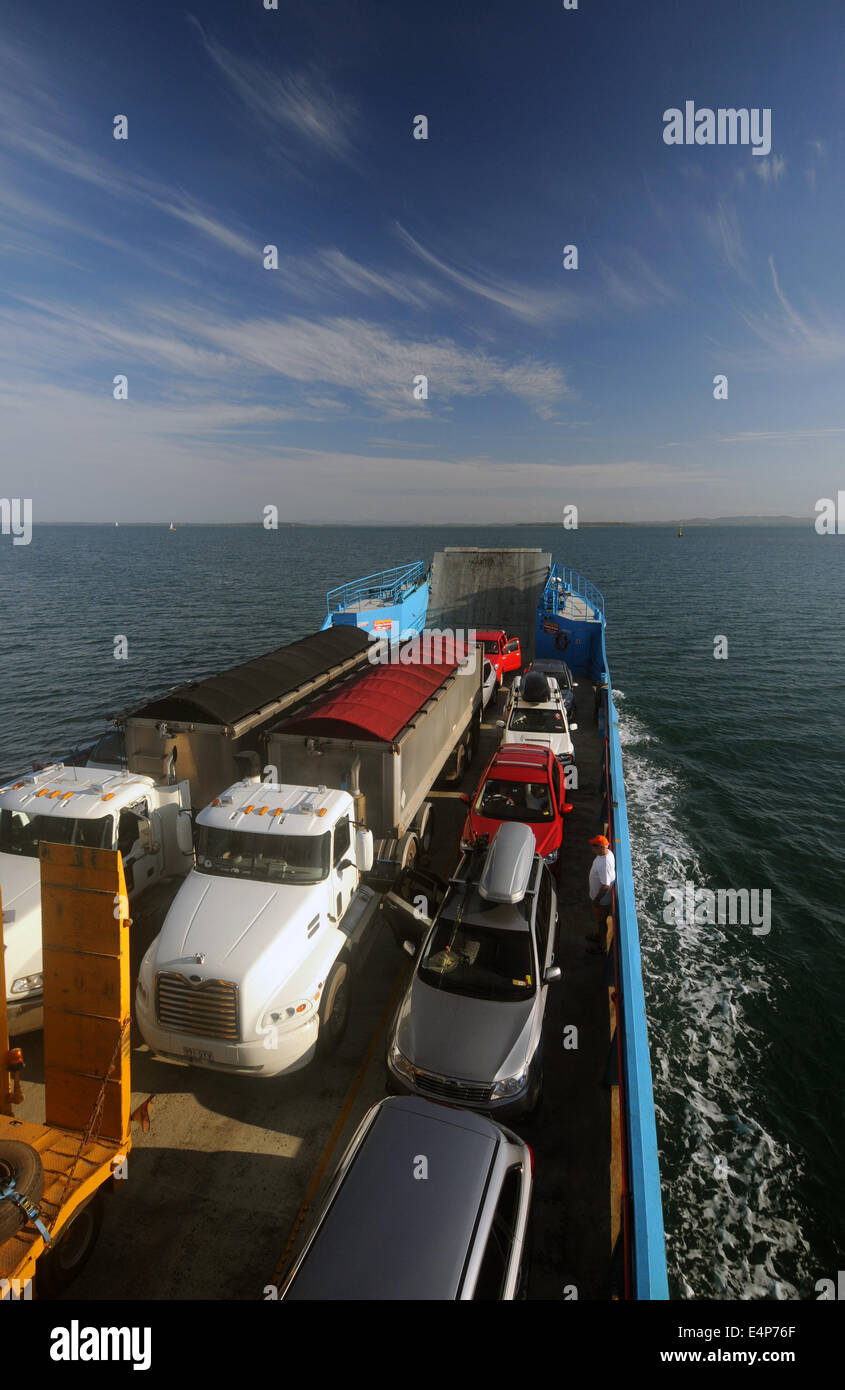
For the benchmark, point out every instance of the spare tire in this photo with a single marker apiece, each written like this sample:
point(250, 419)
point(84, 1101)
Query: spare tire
point(22, 1164)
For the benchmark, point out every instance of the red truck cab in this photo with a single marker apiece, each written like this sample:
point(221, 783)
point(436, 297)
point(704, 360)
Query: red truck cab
point(522, 782)
point(503, 652)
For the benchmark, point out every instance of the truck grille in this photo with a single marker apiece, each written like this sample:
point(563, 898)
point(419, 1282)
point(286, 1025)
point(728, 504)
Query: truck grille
point(452, 1090)
point(208, 1009)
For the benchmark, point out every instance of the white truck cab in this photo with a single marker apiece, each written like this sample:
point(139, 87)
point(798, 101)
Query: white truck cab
point(536, 714)
point(91, 807)
point(250, 972)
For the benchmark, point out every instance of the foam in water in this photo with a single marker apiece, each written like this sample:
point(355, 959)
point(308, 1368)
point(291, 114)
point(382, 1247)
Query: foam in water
point(732, 1220)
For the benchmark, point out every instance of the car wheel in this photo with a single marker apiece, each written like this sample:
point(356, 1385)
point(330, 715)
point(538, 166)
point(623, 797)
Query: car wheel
point(58, 1267)
point(334, 1009)
point(537, 1098)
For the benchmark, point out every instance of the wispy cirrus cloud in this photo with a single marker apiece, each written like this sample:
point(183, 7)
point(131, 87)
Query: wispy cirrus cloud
point(531, 305)
point(723, 231)
point(303, 102)
point(770, 170)
point(790, 336)
point(330, 272)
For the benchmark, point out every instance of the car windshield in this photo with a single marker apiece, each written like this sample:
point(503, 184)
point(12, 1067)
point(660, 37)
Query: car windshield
point(21, 833)
point(525, 801)
point(243, 854)
point(491, 645)
point(482, 962)
point(526, 720)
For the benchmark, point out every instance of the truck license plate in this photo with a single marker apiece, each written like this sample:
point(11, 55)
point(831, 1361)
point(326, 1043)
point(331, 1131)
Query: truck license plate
point(194, 1054)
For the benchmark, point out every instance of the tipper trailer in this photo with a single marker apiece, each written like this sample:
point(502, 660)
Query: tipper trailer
point(385, 737)
point(217, 725)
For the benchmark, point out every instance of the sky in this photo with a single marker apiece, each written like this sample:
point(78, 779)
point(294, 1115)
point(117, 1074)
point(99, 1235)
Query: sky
point(548, 387)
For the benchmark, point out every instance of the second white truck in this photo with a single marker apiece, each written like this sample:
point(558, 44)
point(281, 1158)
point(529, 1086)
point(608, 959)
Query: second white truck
point(99, 809)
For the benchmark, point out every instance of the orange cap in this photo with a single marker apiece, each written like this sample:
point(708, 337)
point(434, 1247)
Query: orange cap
point(601, 840)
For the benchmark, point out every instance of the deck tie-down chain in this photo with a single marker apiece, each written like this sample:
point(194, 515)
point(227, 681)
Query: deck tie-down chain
point(92, 1129)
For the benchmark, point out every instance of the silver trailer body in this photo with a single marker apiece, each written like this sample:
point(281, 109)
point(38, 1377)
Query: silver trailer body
point(334, 742)
point(217, 725)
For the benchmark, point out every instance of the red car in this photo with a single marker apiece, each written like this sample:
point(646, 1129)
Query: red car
point(501, 651)
point(522, 782)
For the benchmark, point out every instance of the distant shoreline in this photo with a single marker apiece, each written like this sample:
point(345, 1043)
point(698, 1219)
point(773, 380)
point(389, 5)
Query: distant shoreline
point(724, 521)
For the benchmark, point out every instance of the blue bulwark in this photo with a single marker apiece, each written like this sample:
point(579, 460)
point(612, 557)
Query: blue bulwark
point(571, 628)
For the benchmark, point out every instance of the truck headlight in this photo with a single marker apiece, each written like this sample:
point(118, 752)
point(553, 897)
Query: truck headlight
point(286, 1016)
point(511, 1085)
point(399, 1062)
point(28, 984)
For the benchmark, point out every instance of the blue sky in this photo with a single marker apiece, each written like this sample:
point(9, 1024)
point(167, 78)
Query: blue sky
point(398, 256)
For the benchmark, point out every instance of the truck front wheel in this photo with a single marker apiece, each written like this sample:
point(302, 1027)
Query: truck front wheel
point(334, 1009)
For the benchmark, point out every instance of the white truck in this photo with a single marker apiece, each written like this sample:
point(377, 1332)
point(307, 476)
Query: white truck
point(251, 970)
point(100, 809)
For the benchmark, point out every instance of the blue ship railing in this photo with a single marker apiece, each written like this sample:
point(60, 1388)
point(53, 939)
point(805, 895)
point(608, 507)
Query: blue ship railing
point(642, 1179)
point(388, 586)
point(573, 583)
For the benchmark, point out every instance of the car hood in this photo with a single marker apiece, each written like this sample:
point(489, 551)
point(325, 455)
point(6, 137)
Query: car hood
point(471, 1039)
point(20, 880)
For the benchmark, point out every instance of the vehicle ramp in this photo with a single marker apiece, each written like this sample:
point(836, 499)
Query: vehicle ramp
point(474, 587)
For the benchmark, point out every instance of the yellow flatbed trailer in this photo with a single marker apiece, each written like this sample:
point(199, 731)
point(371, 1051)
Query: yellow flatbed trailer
point(85, 1139)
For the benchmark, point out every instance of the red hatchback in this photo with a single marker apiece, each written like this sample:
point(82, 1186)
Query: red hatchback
point(503, 652)
point(522, 782)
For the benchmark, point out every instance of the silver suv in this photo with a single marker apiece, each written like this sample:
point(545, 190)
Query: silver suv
point(428, 1202)
point(469, 1028)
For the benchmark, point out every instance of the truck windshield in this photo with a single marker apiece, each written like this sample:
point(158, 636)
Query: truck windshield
point(483, 962)
point(242, 854)
point(20, 833)
point(491, 646)
point(537, 721)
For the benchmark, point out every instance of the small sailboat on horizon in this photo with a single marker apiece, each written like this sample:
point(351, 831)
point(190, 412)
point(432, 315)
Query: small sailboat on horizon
point(172, 527)
point(680, 530)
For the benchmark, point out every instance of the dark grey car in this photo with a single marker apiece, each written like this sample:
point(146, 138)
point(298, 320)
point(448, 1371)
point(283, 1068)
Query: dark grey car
point(469, 1028)
point(562, 674)
point(428, 1202)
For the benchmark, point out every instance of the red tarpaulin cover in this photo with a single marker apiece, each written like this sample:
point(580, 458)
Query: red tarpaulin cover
point(376, 705)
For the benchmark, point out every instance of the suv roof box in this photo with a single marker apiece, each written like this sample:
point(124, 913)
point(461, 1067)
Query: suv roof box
point(507, 865)
point(535, 688)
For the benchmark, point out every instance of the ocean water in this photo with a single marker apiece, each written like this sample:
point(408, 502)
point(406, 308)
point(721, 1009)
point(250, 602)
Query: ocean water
point(735, 778)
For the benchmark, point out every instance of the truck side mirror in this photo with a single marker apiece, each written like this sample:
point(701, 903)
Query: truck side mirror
point(500, 723)
point(466, 798)
point(145, 834)
point(364, 850)
point(566, 807)
point(553, 973)
point(184, 833)
point(409, 947)
point(573, 728)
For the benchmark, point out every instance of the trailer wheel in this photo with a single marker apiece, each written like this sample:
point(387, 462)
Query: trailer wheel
point(428, 832)
point(334, 1009)
point(408, 850)
point(58, 1267)
point(21, 1163)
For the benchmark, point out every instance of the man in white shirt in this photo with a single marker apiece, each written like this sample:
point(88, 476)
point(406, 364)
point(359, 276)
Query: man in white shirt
point(602, 879)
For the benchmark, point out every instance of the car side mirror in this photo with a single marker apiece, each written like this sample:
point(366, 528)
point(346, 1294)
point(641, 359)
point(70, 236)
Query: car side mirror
point(566, 807)
point(409, 947)
point(553, 973)
point(500, 723)
point(573, 728)
point(466, 798)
